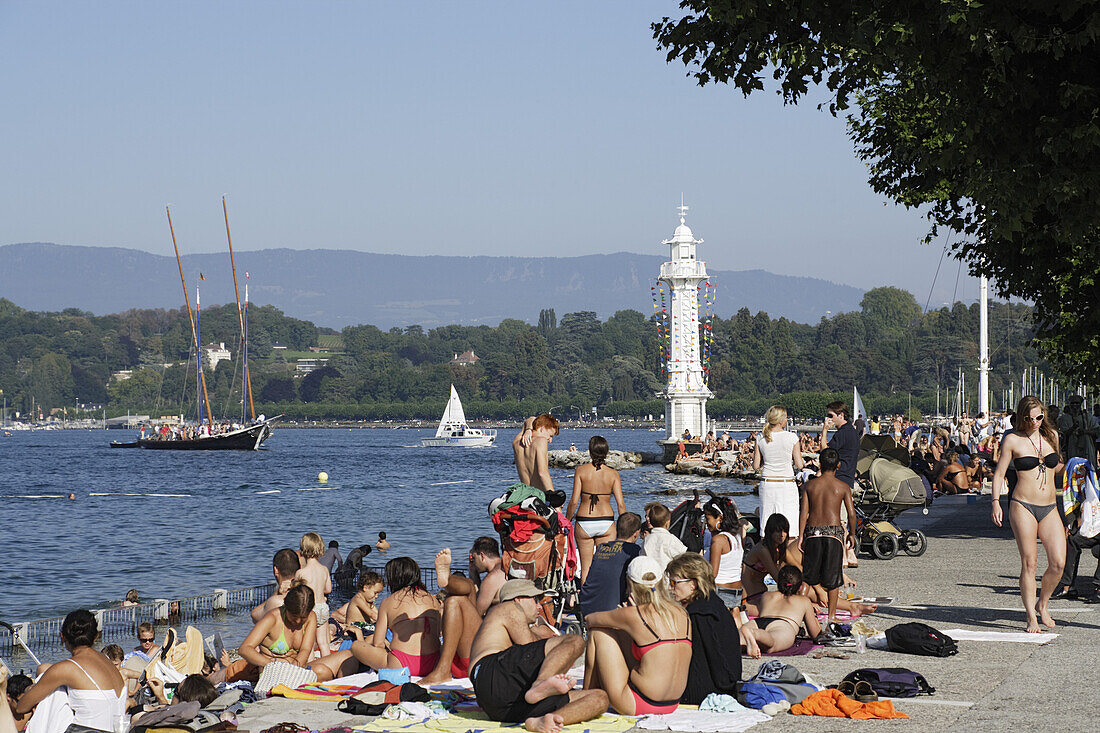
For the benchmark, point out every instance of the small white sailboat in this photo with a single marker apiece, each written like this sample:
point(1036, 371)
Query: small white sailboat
point(454, 432)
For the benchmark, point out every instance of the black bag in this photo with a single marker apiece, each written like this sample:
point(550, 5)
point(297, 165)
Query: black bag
point(922, 639)
point(893, 681)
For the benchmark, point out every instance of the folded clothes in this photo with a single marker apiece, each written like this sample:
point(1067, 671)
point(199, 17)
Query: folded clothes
point(835, 704)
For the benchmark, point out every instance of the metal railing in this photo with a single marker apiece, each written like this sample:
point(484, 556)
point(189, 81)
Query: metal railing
point(120, 624)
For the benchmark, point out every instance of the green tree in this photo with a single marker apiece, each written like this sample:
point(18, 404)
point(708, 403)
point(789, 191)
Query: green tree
point(984, 114)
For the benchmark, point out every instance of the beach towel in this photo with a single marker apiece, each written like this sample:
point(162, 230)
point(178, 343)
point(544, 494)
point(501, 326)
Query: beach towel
point(688, 718)
point(834, 704)
point(1021, 637)
point(800, 647)
point(315, 691)
point(478, 722)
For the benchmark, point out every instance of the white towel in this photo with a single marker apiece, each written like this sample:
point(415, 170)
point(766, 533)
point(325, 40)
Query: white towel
point(687, 719)
point(1021, 637)
point(53, 714)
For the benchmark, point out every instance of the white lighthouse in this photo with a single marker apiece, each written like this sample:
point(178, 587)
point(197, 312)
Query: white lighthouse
point(686, 394)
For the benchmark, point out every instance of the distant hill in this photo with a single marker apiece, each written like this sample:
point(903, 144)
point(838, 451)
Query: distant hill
point(337, 288)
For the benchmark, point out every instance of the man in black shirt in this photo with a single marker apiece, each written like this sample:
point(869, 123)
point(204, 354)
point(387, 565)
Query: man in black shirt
point(605, 587)
point(846, 442)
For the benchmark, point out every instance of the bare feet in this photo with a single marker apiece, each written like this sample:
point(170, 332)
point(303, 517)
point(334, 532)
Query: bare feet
point(549, 723)
point(443, 567)
point(559, 684)
point(1033, 626)
point(434, 679)
point(1044, 616)
point(862, 609)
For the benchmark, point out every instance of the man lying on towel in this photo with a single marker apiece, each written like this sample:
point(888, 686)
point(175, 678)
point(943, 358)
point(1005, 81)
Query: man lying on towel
point(519, 672)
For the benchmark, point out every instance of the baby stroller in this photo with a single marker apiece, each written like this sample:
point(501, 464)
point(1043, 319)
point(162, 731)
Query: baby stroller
point(884, 489)
point(537, 544)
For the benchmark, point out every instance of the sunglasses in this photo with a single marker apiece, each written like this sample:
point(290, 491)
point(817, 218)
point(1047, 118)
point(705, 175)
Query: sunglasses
point(681, 580)
point(146, 641)
point(1035, 418)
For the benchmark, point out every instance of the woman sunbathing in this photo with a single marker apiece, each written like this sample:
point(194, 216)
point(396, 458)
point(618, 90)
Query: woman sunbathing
point(287, 634)
point(783, 613)
point(414, 617)
point(652, 676)
point(765, 558)
point(94, 689)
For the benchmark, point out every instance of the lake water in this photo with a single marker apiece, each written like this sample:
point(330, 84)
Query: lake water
point(179, 523)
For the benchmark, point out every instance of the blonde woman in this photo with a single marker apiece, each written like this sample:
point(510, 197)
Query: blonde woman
point(1031, 451)
point(778, 455)
point(653, 676)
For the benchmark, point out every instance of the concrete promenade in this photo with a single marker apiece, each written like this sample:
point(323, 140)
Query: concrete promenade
point(967, 579)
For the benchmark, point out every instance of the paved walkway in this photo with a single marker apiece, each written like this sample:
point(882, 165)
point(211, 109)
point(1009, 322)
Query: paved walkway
point(967, 579)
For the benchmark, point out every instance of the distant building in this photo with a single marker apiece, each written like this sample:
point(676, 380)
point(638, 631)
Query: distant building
point(319, 349)
point(278, 347)
point(123, 375)
point(305, 366)
point(466, 358)
point(214, 353)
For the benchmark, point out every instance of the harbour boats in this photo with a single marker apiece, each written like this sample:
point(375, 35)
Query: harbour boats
point(453, 432)
point(248, 434)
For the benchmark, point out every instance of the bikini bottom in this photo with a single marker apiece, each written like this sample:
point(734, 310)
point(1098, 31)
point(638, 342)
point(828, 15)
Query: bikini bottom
point(1039, 511)
point(419, 665)
point(645, 706)
point(595, 526)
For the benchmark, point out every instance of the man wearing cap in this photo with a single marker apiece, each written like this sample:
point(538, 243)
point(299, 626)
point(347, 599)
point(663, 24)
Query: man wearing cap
point(519, 673)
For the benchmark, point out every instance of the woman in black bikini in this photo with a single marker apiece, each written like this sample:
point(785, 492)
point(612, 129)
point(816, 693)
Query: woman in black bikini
point(590, 505)
point(1032, 452)
point(764, 559)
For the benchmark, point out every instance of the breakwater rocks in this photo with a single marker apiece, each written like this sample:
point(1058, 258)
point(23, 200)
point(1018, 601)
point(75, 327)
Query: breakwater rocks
point(618, 459)
point(699, 467)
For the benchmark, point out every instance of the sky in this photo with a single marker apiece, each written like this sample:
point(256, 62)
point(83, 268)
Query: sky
point(486, 128)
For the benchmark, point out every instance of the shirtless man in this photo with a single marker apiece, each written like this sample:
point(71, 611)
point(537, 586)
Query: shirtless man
point(319, 579)
point(285, 566)
point(461, 621)
point(820, 536)
point(530, 447)
point(783, 612)
point(519, 674)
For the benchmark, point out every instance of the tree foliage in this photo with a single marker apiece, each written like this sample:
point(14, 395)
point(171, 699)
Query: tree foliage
point(984, 113)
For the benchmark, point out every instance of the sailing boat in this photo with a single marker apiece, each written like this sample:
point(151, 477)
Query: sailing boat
point(453, 431)
point(245, 436)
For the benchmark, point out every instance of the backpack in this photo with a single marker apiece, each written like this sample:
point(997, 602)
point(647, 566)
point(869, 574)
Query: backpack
point(922, 639)
point(893, 681)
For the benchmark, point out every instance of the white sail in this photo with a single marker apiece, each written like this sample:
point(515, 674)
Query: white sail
point(453, 416)
point(858, 410)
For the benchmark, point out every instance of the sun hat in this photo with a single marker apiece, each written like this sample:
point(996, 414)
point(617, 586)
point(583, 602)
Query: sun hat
point(522, 589)
point(642, 566)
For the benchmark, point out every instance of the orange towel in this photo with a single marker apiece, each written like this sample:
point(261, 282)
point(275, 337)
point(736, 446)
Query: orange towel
point(832, 704)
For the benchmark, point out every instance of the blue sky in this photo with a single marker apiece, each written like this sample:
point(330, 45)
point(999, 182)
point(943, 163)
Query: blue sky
point(550, 129)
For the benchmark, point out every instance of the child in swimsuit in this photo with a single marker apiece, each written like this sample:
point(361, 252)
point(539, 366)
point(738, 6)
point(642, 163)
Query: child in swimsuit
point(821, 537)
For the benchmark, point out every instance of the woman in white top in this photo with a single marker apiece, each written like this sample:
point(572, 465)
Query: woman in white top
point(726, 549)
point(777, 457)
point(95, 688)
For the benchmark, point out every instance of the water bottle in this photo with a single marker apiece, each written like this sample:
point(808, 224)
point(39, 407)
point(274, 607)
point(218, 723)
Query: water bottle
point(861, 643)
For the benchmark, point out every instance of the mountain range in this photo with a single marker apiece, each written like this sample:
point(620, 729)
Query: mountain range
point(336, 288)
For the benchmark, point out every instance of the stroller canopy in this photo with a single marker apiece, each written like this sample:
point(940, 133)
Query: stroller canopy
point(894, 484)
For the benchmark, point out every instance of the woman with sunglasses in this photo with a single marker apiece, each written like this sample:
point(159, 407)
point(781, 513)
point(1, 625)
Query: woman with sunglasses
point(1031, 451)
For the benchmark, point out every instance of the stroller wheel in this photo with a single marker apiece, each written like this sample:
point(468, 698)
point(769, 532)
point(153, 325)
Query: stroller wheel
point(913, 542)
point(885, 546)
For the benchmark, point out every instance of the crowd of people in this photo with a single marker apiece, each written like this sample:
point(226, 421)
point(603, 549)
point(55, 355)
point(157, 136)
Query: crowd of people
point(665, 625)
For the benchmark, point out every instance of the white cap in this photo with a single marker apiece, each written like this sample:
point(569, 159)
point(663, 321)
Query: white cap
point(643, 566)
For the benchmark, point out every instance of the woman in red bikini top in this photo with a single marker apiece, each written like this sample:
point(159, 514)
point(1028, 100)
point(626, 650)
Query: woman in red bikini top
point(653, 677)
point(413, 615)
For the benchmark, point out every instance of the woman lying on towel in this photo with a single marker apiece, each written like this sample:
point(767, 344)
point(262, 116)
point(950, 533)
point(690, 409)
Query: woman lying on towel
point(413, 616)
point(639, 654)
point(783, 612)
point(716, 638)
point(288, 634)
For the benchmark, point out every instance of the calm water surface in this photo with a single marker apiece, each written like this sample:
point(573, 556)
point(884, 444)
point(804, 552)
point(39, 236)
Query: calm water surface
point(173, 524)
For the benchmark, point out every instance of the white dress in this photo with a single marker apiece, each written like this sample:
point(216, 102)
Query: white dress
point(778, 491)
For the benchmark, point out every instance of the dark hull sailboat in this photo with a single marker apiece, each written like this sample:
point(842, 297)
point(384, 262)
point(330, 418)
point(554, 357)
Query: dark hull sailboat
point(247, 438)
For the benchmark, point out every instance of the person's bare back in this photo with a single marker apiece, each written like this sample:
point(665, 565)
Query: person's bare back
point(318, 578)
point(530, 448)
point(825, 495)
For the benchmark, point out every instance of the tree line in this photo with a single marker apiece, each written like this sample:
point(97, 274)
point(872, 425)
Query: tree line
point(896, 354)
